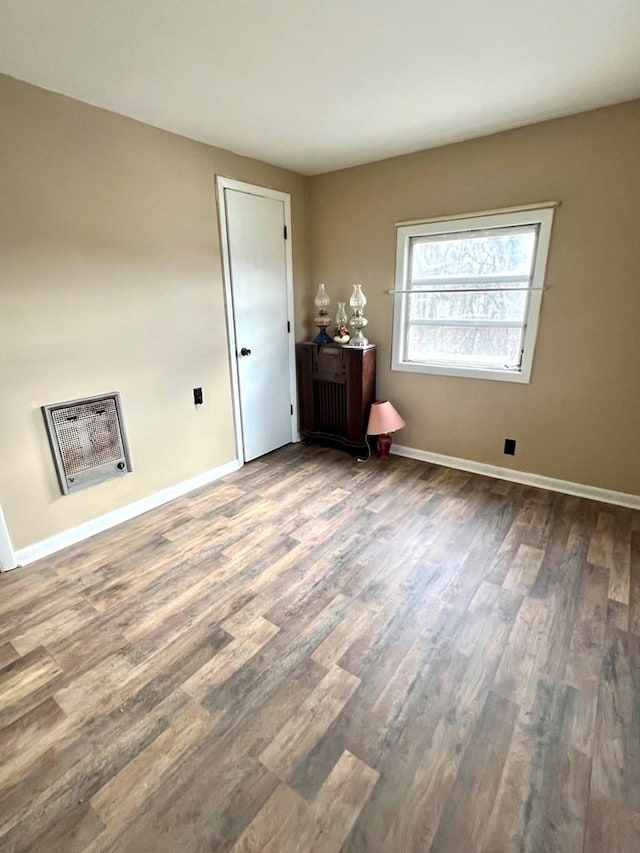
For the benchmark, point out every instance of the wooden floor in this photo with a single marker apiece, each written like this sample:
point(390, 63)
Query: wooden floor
point(316, 655)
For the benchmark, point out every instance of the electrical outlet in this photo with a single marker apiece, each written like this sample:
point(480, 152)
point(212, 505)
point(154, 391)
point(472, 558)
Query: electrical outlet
point(197, 396)
point(510, 446)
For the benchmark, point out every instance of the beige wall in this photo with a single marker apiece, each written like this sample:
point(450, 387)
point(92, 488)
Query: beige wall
point(579, 418)
point(110, 279)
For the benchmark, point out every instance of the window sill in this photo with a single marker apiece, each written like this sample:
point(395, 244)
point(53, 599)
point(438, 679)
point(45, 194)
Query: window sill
point(522, 377)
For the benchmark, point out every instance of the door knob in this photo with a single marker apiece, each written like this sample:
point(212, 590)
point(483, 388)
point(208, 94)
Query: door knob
point(245, 351)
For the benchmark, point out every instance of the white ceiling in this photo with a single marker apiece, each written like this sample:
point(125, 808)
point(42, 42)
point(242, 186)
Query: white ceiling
point(317, 85)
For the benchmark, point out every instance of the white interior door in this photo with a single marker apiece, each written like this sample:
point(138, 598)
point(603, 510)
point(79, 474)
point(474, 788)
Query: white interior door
point(257, 269)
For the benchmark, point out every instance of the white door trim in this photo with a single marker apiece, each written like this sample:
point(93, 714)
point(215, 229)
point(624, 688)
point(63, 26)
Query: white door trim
point(222, 184)
point(7, 554)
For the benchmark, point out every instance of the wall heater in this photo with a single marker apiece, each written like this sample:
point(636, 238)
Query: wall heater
point(88, 441)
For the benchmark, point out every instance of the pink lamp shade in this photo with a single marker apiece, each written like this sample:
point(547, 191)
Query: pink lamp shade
point(383, 419)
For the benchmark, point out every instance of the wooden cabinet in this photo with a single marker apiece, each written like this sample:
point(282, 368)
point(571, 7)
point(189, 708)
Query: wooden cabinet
point(336, 386)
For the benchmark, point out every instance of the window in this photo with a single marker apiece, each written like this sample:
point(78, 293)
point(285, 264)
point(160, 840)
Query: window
point(468, 294)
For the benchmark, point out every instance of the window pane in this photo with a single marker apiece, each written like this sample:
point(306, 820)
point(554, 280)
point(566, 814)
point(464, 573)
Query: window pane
point(468, 306)
point(508, 251)
point(464, 345)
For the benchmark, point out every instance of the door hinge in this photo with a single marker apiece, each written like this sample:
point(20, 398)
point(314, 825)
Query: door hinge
point(285, 232)
point(291, 407)
point(289, 326)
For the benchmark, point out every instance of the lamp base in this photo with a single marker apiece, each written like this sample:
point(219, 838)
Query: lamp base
point(384, 445)
point(322, 338)
point(358, 339)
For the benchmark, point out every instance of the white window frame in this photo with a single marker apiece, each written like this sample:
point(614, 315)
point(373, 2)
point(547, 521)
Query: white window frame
point(541, 216)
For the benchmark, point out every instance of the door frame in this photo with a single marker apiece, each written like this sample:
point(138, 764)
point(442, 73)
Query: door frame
point(7, 554)
point(222, 184)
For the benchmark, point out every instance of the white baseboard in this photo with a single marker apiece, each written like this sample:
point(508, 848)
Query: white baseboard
point(7, 554)
point(579, 489)
point(31, 553)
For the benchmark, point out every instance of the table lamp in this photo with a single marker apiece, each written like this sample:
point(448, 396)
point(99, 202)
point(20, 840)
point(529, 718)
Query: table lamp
point(383, 420)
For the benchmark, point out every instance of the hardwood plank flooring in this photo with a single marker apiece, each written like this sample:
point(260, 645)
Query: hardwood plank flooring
point(318, 655)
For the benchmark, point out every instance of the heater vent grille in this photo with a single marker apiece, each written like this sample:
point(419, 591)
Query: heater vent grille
point(330, 407)
point(87, 440)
